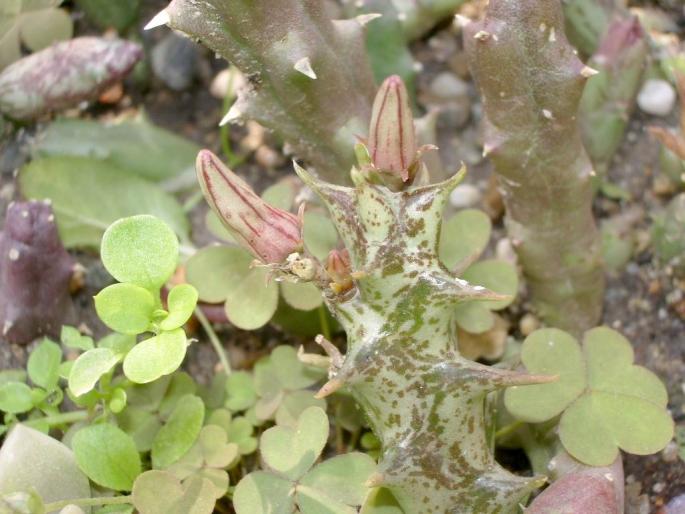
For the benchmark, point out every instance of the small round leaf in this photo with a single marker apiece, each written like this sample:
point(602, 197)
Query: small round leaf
point(107, 455)
point(495, 275)
point(464, 235)
point(179, 433)
point(181, 304)
point(160, 355)
point(251, 300)
point(125, 308)
point(301, 295)
point(15, 398)
point(88, 369)
point(211, 268)
point(43, 364)
point(140, 249)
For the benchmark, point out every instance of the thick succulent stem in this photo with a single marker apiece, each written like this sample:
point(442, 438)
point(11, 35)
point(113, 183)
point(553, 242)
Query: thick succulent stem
point(531, 82)
point(609, 97)
point(308, 77)
point(423, 400)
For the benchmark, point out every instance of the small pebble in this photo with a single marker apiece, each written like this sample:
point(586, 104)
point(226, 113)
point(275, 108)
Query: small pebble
point(670, 453)
point(465, 195)
point(174, 61)
point(676, 505)
point(528, 324)
point(657, 97)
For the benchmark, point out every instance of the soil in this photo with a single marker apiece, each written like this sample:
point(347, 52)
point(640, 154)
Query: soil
point(644, 300)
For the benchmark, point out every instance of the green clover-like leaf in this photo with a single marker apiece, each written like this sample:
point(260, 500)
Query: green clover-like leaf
point(140, 249)
point(495, 275)
point(157, 356)
point(15, 398)
point(120, 344)
point(239, 430)
point(320, 234)
point(160, 492)
point(125, 308)
point(179, 433)
point(261, 492)
point(240, 391)
point(141, 425)
point(381, 501)
point(606, 401)
point(72, 338)
point(43, 364)
point(107, 455)
point(181, 304)
point(303, 296)
point(225, 274)
point(292, 451)
point(464, 237)
point(89, 367)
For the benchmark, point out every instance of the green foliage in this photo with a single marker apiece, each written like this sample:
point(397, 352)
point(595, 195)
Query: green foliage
point(335, 486)
point(463, 239)
point(136, 145)
point(119, 15)
point(76, 186)
point(89, 367)
point(179, 433)
point(35, 24)
point(43, 365)
point(603, 398)
point(160, 492)
point(668, 234)
point(107, 455)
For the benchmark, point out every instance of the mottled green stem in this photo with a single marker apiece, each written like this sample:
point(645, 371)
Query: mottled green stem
point(531, 81)
point(423, 400)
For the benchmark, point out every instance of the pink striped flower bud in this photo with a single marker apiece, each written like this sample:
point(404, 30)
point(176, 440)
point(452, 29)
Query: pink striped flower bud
point(270, 234)
point(392, 142)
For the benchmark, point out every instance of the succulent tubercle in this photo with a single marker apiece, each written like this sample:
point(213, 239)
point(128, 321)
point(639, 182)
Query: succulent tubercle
point(35, 274)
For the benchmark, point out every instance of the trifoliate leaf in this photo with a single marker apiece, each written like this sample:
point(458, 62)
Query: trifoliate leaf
point(211, 268)
point(107, 455)
point(263, 493)
point(251, 300)
point(291, 372)
point(181, 304)
point(125, 308)
point(159, 492)
point(160, 355)
point(498, 276)
point(15, 397)
point(474, 317)
point(294, 404)
point(43, 364)
point(179, 433)
point(320, 235)
point(606, 400)
point(140, 249)
point(292, 451)
point(301, 295)
point(342, 478)
point(240, 391)
point(464, 236)
point(88, 369)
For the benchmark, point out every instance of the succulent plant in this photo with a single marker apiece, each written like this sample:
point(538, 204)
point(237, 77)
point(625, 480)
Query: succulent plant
point(63, 75)
point(668, 234)
point(35, 274)
point(672, 156)
point(609, 97)
point(531, 81)
point(396, 302)
point(588, 20)
point(308, 76)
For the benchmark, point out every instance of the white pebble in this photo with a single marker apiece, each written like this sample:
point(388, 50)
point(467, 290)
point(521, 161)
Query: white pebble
point(465, 195)
point(657, 97)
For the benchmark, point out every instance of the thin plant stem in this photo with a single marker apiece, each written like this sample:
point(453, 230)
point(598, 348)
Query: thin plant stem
point(508, 429)
point(89, 502)
point(214, 339)
point(59, 419)
point(323, 321)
